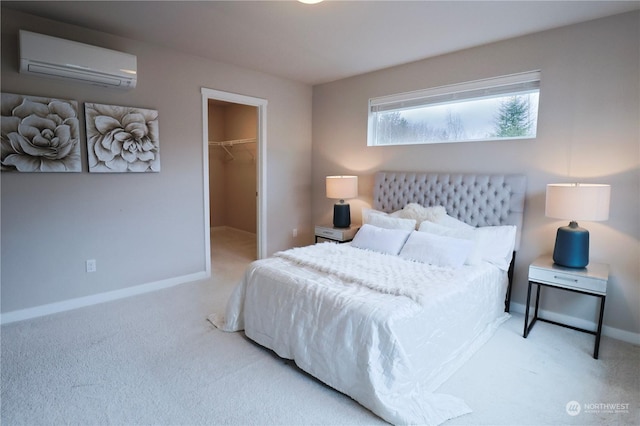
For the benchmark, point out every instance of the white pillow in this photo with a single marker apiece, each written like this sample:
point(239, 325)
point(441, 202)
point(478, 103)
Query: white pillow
point(436, 249)
point(383, 220)
point(467, 233)
point(497, 244)
point(420, 213)
point(452, 222)
point(493, 244)
point(382, 240)
point(367, 213)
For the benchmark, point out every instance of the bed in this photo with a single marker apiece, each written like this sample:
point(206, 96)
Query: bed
point(386, 328)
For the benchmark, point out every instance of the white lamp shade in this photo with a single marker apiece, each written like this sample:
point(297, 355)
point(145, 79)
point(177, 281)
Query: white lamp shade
point(342, 187)
point(578, 201)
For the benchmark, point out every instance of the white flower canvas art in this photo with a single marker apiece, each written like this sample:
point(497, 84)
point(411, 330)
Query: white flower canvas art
point(122, 139)
point(39, 134)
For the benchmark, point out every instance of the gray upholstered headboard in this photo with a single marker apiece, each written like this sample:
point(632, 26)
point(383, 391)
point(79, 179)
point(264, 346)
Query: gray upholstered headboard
point(477, 199)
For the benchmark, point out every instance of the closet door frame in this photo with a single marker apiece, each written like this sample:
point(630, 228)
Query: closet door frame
point(261, 173)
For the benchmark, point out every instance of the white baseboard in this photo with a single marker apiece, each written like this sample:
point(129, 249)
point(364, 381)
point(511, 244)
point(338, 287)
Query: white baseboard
point(81, 302)
point(616, 333)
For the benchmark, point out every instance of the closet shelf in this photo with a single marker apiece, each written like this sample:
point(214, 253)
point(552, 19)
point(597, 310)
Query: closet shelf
point(230, 143)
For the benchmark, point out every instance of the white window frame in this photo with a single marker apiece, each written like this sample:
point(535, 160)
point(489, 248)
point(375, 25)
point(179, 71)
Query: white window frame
point(461, 92)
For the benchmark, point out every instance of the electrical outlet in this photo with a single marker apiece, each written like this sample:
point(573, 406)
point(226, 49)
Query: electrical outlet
point(91, 265)
point(295, 232)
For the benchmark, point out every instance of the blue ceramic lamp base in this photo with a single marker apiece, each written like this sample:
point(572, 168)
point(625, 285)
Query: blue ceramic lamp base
point(572, 246)
point(341, 215)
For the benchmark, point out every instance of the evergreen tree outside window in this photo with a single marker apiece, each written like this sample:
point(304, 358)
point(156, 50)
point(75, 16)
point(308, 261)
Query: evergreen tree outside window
point(492, 109)
point(514, 118)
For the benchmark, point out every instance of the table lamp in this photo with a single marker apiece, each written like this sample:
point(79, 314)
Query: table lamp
point(575, 201)
point(341, 187)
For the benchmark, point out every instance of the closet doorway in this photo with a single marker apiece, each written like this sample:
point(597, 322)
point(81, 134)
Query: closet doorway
point(234, 146)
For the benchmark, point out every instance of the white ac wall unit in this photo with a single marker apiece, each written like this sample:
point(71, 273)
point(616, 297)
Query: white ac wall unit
point(47, 56)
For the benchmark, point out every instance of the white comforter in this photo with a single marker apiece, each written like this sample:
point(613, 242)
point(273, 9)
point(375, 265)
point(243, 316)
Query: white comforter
point(383, 330)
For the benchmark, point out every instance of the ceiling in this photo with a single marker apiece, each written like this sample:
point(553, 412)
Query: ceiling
point(322, 42)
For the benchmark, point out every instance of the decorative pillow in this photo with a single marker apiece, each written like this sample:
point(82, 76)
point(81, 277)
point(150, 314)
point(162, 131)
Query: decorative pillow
point(367, 213)
point(383, 220)
point(475, 254)
point(452, 222)
point(382, 240)
point(420, 213)
point(436, 249)
point(497, 244)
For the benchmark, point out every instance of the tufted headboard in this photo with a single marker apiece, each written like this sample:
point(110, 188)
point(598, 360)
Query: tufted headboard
point(477, 199)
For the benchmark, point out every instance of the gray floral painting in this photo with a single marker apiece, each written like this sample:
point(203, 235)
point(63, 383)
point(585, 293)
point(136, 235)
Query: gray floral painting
point(122, 139)
point(39, 134)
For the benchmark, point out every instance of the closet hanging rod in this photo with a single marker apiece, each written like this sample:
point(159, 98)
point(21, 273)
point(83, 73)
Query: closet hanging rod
point(232, 142)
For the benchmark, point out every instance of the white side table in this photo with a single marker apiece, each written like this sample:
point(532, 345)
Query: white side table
point(338, 235)
point(591, 280)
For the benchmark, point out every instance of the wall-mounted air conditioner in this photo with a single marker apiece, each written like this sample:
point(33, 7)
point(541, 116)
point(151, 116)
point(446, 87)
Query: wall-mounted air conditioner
point(46, 56)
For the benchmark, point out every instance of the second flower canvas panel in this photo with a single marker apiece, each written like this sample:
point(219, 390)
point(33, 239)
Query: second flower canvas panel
point(122, 139)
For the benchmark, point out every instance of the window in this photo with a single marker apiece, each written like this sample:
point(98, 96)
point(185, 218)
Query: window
point(492, 109)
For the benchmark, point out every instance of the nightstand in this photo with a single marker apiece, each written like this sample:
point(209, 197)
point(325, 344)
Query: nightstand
point(338, 235)
point(591, 280)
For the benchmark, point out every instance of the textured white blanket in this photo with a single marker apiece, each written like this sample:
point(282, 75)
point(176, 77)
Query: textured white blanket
point(376, 271)
point(316, 305)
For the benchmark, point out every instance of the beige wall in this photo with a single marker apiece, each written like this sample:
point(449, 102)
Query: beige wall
point(147, 228)
point(233, 181)
point(141, 228)
point(587, 131)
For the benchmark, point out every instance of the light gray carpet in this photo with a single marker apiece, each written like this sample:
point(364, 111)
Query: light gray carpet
point(154, 359)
